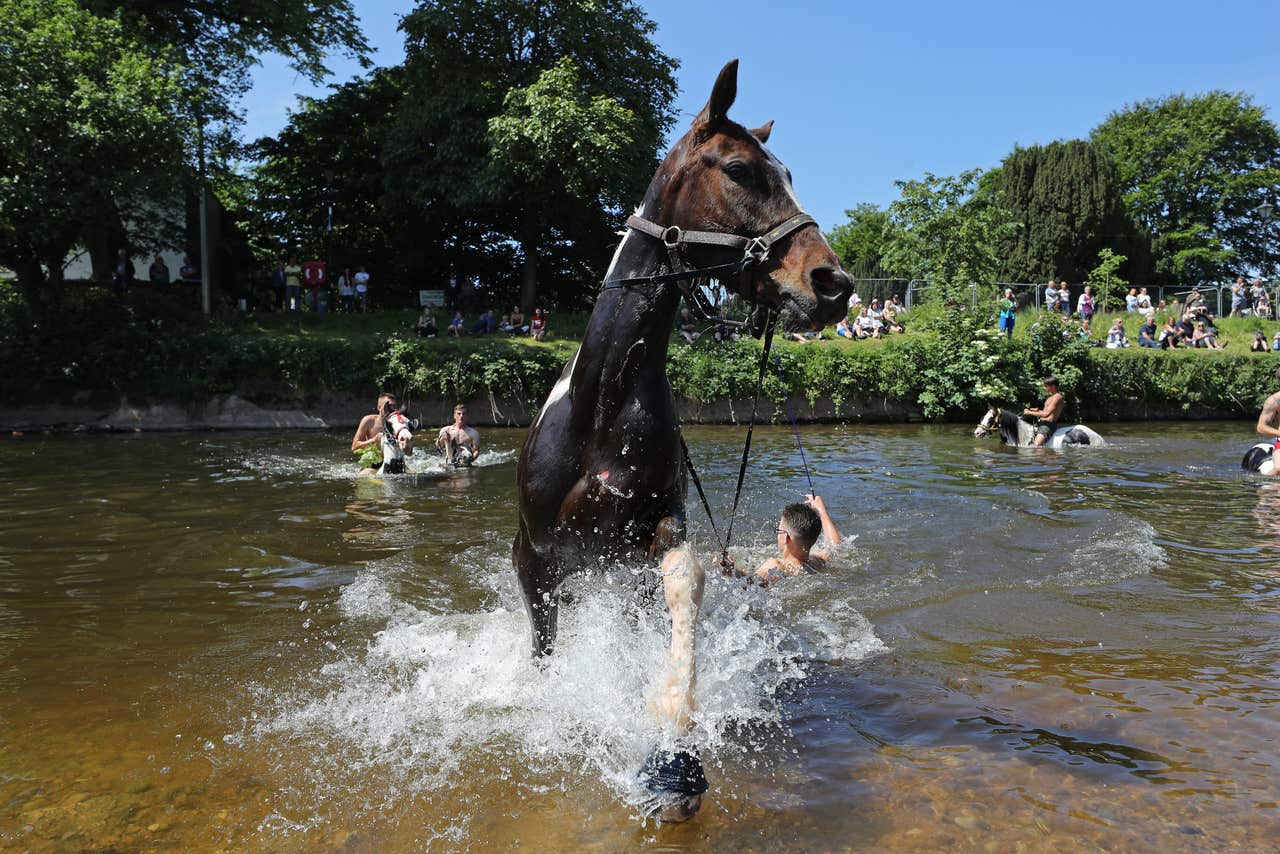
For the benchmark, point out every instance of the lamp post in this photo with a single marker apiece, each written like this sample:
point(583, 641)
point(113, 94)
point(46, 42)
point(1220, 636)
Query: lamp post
point(1264, 211)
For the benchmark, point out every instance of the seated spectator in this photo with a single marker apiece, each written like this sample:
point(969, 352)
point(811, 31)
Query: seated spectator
point(504, 325)
point(1203, 336)
point(1144, 306)
point(1131, 300)
point(538, 325)
point(725, 332)
point(844, 329)
point(1170, 334)
point(686, 328)
point(518, 326)
point(898, 307)
point(889, 317)
point(159, 273)
point(1275, 343)
point(1259, 343)
point(1256, 292)
point(1116, 337)
point(1147, 335)
point(870, 326)
point(1262, 304)
point(427, 323)
point(455, 325)
point(1085, 333)
point(1187, 327)
point(485, 325)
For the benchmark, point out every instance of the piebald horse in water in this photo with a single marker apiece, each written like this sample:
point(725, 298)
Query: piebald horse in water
point(1016, 431)
point(1261, 458)
point(601, 477)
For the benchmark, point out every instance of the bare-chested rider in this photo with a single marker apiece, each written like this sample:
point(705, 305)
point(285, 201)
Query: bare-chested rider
point(1047, 416)
point(369, 433)
point(1269, 422)
point(460, 443)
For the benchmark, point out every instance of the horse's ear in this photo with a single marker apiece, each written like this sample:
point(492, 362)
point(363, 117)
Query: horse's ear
point(723, 95)
point(762, 133)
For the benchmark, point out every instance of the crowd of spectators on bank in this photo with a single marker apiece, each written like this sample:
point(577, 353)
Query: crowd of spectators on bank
point(488, 323)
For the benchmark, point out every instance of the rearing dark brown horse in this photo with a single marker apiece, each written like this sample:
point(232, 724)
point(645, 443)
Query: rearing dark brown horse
point(601, 476)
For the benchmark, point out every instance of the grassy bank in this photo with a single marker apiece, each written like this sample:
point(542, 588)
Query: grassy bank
point(92, 347)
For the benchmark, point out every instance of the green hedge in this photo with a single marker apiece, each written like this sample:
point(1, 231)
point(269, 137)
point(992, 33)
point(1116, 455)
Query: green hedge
point(949, 365)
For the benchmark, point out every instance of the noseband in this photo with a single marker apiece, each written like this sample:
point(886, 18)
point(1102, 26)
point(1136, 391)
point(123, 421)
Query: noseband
point(755, 251)
point(995, 424)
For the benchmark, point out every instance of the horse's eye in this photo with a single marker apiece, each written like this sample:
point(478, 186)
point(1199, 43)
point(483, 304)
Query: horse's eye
point(738, 171)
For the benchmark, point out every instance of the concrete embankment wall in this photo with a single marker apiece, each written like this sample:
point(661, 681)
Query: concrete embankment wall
point(342, 412)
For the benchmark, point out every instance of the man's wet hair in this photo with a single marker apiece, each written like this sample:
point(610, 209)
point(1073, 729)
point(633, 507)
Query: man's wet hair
point(1051, 380)
point(803, 522)
point(386, 396)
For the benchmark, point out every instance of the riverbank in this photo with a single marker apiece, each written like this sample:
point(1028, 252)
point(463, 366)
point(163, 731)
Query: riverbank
point(103, 365)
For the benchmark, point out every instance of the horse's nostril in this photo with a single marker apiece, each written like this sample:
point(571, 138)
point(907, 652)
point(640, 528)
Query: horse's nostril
point(829, 281)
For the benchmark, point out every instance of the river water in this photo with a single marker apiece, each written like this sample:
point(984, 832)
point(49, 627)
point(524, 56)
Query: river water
point(221, 640)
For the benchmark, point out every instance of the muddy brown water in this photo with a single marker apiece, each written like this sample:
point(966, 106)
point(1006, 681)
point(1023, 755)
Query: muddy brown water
point(232, 641)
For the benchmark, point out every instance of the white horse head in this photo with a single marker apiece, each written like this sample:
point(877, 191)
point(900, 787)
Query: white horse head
point(989, 424)
point(397, 441)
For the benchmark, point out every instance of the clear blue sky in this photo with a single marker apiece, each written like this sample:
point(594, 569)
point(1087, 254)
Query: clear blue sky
point(868, 93)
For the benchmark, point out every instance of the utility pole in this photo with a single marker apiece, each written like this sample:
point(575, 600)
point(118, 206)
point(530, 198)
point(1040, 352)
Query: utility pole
point(206, 299)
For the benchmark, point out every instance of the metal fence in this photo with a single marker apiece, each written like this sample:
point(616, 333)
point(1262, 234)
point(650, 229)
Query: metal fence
point(1031, 295)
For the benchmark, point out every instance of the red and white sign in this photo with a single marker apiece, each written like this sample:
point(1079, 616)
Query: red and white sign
point(314, 273)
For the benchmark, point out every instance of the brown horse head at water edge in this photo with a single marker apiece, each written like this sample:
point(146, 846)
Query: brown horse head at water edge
point(601, 478)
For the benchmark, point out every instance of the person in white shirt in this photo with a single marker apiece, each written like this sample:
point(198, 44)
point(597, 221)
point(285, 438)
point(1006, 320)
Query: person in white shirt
point(1116, 339)
point(1131, 301)
point(1051, 297)
point(362, 288)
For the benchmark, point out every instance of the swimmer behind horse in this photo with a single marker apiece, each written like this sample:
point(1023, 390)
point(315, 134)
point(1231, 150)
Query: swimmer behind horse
point(601, 477)
point(459, 442)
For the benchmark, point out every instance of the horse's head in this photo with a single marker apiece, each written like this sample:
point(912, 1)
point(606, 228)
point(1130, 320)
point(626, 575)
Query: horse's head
point(720, 177)
point(397, 438)
point(989, 424)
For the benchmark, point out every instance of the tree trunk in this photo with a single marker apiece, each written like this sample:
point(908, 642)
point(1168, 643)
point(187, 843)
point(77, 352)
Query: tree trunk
point(103, 234)
point(529, 233)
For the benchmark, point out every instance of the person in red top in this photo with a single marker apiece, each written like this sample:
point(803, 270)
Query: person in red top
point(538, 325)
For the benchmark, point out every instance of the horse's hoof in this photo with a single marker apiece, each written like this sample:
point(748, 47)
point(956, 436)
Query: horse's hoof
point(675, 784)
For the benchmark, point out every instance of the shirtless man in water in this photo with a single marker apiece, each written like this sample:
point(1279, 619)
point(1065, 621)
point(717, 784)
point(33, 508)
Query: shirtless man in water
point(798, 530)
point(1269, 421)
point(369, 433)
point(1047, 416)
point(460, 443)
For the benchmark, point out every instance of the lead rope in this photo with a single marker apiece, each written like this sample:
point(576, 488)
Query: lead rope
point(746, 450)
point(795, 431)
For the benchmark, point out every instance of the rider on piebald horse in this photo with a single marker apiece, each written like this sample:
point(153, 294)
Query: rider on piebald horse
point(1047, 416)
point(601, 476)
point(1262, 456)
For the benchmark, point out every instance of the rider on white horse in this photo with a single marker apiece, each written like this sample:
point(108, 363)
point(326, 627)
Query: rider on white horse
point(1048, 415)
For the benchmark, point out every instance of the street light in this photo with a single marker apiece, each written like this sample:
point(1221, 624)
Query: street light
point(1264, 211)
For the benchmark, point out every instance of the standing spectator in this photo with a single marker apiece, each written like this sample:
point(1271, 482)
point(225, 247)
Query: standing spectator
point(159, 272)
point(1259, 343)
point(277, 284)
point(1116, 339)
point(451, 292)
point(538, 325)
point(1085, 304)
point(1064, 299)
point(455, 325)
point(362, 288)
point(1239, 298)
point(427, 323)
point(122, 276)
point(1008, 313)
point(293, 285)
point(1131, 300)
point(854, 302)
point(347, 291)
point(188, 272)
point(1051, 298)
point(1256, 292)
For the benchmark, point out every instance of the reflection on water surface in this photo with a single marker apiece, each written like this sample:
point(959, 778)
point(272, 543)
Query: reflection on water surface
point(233, 640)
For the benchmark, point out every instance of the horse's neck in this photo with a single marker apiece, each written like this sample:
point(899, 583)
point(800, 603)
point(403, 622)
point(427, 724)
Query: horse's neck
point(627, 336)
point(390, 449)
point(1011, 425)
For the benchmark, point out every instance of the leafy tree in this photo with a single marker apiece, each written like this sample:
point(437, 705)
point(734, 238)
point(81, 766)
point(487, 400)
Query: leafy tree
point(860, 242)
point(1194, 169)
point(1105, 279)
point(1068, 197)
point(471, 62)
point(90, 120)
point(948, 230)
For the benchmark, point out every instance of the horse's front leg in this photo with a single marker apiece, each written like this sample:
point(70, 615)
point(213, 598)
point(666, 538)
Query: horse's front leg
point(538, 583)
point(674, 776)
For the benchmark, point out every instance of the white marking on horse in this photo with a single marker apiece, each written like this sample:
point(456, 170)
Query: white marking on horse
point(560, 389)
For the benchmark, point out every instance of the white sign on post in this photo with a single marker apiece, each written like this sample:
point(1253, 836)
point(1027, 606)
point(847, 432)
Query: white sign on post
point(435, 299)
